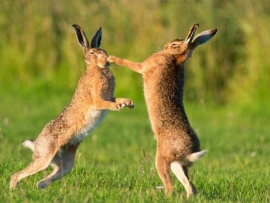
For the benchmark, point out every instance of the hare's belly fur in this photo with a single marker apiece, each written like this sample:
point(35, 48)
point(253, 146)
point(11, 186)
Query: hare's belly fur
point(92, 120)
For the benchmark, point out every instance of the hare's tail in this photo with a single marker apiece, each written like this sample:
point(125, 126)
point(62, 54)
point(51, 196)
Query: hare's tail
point(29, 144)
point(195, 156)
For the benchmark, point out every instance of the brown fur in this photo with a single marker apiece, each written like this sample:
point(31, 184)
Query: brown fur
point(60, 138)
point(163, 77)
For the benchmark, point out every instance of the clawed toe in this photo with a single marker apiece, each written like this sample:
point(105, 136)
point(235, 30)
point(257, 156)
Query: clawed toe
point(130, 105)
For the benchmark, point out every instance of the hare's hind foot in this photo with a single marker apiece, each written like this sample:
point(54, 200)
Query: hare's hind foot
point(43, 184)
point(41, 162)
point(192, 192)
point(62, 164)
point(13, 182)
point(181, 172)
point(163, 168)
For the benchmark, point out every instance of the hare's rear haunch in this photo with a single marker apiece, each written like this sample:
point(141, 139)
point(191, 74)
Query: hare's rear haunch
point(163, 76)
point(60, 138)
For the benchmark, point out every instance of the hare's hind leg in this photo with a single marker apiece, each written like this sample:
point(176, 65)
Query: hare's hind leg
point(39, 163)
point(62, 164)
point(181, 173)
point(163, 168)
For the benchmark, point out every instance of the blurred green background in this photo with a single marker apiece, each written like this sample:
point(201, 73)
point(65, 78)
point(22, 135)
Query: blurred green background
point(38, 47)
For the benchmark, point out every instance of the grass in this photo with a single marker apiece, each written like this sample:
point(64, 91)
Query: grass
point(116, 163)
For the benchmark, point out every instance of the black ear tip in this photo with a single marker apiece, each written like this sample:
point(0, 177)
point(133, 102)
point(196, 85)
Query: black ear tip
point(75, 26)
point(214, 31)
point(100, 30)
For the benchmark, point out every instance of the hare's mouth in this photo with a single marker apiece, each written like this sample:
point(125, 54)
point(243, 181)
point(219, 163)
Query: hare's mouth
point(104, 64)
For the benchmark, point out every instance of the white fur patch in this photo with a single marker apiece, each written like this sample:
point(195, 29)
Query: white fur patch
point(29, 144)
point(93, 119)
point(195, 156)
point(178, 171)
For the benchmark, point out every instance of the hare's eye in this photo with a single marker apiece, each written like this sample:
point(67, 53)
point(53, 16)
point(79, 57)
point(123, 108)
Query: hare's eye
point(92, 53)
point(174, 44)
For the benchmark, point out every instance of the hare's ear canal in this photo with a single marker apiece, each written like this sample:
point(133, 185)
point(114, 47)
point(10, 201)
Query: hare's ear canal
point(96, 39)
point(81, 36)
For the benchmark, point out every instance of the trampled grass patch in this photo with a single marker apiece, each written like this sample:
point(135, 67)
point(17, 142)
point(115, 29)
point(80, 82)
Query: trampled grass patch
point(116, 162)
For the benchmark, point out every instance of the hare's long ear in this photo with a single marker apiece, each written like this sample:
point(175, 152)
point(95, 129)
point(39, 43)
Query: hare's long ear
point(203, 37)
point(82, 39)
point(96, 39)
point(191, 33)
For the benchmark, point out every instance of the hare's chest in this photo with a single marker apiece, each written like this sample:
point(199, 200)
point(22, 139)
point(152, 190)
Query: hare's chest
point(108, 85)
point(92, 119)
point(108, 78)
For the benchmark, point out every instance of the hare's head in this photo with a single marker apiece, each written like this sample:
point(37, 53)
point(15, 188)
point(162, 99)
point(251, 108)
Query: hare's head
point(93, 54)
point(182, 48)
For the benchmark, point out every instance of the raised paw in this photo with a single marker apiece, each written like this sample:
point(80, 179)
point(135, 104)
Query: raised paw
point(129, 103)
point(111, 59)
point(125, 103)
point(120, 106)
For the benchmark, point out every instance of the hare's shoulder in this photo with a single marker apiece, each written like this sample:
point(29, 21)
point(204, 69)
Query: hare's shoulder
point(156, 55)
point(159, 58)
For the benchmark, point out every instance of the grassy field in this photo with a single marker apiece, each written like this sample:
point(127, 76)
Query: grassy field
point(116, 163)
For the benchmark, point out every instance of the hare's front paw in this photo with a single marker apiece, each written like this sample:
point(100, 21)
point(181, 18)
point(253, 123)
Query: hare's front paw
point(120, 106)
point(129, 103)
point(111, 59)
point(124, 103)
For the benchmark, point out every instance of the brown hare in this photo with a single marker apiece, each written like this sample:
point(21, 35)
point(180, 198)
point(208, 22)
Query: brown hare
point(163, 76)
point(60, 138)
